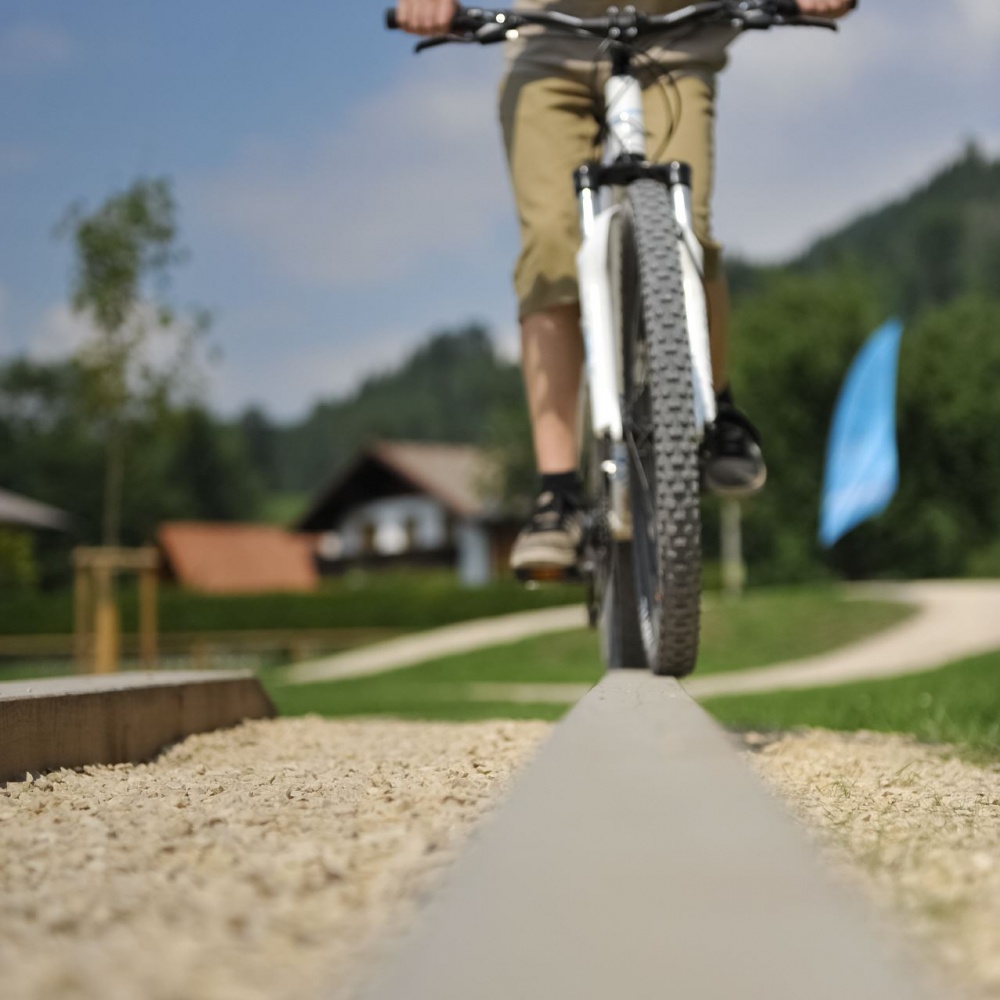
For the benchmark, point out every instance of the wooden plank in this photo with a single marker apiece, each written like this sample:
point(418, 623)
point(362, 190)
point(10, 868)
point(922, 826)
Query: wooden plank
point(111, 719)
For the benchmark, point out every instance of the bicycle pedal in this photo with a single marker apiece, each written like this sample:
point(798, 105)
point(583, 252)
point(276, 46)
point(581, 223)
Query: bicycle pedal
point(548, 574)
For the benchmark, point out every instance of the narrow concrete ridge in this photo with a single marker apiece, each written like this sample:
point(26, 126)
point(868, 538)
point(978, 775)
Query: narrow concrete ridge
point(112, 719)
point(638, 858)
point(463, 637)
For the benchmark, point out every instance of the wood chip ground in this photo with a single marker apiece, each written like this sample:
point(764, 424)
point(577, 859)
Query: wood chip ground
point(916, 827)
point(254, 864)
point(267, 862)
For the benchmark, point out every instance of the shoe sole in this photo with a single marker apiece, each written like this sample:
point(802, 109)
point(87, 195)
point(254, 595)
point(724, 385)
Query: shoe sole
point(731, 492)
point(548, 574)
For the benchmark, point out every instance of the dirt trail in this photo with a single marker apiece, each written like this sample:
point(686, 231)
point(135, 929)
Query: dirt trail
point(957, 618)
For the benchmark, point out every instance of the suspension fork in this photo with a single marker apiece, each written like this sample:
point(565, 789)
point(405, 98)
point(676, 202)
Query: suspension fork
point(600, 313)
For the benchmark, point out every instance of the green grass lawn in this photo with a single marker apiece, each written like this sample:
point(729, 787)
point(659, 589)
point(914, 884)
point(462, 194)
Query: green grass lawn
point(765, 627)
point(958, 704)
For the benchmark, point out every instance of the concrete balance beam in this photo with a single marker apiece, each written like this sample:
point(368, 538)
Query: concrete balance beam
point(112, 719)
point(638, 858)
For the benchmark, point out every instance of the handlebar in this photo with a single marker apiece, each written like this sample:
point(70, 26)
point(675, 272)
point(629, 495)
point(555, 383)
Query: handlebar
point(486, 27)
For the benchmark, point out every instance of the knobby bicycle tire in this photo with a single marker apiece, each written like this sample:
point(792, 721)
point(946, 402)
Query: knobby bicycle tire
point(660, 430)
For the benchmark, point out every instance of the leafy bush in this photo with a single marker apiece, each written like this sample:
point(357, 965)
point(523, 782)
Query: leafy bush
point(404, 601)
point(18, 567)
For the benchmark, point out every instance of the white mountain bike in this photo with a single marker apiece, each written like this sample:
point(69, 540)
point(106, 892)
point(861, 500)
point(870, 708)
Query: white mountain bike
point(645, 322)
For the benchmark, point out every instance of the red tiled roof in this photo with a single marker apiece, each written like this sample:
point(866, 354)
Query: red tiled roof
point(237, 558)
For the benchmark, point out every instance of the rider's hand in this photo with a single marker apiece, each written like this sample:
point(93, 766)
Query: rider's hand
point(826, 8)
point(425, 17)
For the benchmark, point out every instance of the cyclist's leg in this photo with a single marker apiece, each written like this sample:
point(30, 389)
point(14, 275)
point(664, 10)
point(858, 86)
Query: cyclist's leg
point(549, 130)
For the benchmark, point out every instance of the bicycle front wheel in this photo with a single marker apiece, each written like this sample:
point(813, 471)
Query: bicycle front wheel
point(660, 429)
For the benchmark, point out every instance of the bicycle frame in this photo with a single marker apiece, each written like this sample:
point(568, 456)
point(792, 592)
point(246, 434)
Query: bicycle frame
point(626, 146)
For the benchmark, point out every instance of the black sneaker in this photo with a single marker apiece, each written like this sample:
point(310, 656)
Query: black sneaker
point(735, 465)
point(549, 544)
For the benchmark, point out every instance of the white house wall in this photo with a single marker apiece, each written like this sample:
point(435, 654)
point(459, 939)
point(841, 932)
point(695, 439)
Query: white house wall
point(390, 517)
point(474, 562)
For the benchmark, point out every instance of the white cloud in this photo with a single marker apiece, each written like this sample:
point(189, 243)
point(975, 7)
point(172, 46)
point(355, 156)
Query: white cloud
point(58, 333)
point(291, 382)
point(29, 48)
point(982, 19)
point(167, 351)
point(414, 172)
point(815, 128)
point(793, 72)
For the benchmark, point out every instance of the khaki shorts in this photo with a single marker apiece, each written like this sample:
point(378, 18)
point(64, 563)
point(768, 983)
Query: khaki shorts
point(549, 128)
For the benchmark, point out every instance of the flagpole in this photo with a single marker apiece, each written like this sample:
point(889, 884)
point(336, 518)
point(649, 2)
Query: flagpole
point(733, 567)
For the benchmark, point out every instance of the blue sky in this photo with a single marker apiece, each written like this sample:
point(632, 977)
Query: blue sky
point(341, 198)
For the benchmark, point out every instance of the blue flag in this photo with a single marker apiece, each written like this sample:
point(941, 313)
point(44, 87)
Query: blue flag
point(862, 462)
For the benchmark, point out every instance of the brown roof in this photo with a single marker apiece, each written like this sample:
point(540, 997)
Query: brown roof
point(454, 474)
point(237, 558)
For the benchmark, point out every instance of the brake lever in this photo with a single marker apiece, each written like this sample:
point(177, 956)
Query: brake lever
point(809, 21)
point(489, 34)
point(758, 20)
point(429, 43)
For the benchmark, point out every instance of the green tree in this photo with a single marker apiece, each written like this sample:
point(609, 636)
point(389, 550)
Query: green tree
point(792, 343)
point(220, 483)
point(446, 390)
point(18, 567)
point(124, 251)
point(945, 520)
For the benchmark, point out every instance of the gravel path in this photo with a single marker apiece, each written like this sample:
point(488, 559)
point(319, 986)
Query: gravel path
point(916, 827)
point(255, 863)
point(264, 862)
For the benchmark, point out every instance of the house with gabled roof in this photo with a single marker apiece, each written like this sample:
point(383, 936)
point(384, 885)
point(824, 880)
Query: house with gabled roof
point(415, 504)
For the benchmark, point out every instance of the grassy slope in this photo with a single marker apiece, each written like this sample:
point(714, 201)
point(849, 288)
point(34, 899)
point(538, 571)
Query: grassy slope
point(957, 704)
point(765, 627)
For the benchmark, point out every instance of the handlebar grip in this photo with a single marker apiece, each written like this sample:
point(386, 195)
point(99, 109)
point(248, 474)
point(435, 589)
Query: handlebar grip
point(787, 8)
point(392, 22)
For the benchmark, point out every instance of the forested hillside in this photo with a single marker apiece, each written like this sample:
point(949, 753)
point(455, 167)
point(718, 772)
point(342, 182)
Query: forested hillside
point(938, 242)
point(447, 390)
point(934, 259)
